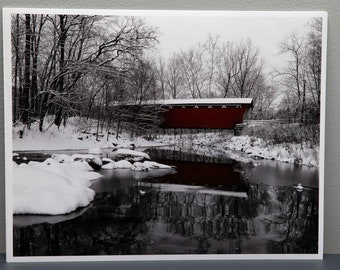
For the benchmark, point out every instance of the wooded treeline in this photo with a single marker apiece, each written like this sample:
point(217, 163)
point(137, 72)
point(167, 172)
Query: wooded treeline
point(67, 65)
point(300, 79)
point(76, 65)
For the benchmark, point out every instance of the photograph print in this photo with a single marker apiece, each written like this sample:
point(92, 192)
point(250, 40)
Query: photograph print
point(161, 135)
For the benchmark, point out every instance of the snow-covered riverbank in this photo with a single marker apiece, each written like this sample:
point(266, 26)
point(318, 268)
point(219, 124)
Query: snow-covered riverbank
point(256, 148)
point(70, 137)
point(244, 148)
point(208, 144)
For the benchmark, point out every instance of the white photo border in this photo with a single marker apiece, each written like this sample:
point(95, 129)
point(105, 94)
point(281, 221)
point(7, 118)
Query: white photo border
point(8, 133)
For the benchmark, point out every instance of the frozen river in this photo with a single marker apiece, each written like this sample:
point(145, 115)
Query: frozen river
point(204, 206)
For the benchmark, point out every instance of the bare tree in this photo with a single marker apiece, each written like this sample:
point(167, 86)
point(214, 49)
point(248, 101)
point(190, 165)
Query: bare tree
point(249, 69)
point(142, 81)
point(192, 66)
point(227, 69)
point(264, 101)
point(161, 77)
point(174, 77)
point(17, 67)
point(25, 95)
point(314, 56)
point(211, 61)
point(302, 74)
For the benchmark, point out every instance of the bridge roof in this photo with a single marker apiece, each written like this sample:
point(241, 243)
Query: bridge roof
point(203, 101)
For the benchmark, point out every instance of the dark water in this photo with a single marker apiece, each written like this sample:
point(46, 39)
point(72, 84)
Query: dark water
point(210, 206)
point(283, 174)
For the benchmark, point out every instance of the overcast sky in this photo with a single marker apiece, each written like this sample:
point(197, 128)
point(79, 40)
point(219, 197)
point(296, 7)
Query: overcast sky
point(182, 32)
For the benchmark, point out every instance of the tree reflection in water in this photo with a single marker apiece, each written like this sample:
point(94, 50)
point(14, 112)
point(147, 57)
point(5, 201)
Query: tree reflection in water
point(272, 219)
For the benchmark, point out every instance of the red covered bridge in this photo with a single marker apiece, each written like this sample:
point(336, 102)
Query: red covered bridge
point(216, 113)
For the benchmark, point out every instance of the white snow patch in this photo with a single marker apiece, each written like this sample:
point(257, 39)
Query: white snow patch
point(156, 165)
point(47, 190)
point(82, 165)
point(62, 158)
point(107, 160)
point(53, 187)
point(287, 152)
point(109, 166)
point(136, 166)
point(133, 153)
point(139, 167)
point(123, 164)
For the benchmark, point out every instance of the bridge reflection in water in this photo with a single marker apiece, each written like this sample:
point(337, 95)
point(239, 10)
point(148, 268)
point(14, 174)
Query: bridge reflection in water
point(178, 213)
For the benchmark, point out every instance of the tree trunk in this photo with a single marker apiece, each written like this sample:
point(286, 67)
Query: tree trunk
point(61, 80)
point(16, 87)
point(25, 104)
point(303, 109)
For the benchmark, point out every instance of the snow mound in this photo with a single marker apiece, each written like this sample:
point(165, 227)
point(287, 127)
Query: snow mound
point(123, 164)
point(74, 172)
point(156, 165)
point(132, 153)
point(93, 162)
point(148, 165)
point(139, 167)
point(109, 166)
point(136, 166)
point(83, 165)
point(107, 160)
point(47, 190)
point(53, 187)
point(62, 158)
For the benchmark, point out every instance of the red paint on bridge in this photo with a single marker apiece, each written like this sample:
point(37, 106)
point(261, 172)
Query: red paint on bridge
point(203, 117)
point(216, 113)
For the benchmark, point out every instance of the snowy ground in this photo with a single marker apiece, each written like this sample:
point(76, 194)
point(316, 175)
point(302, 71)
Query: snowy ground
point(69, 137)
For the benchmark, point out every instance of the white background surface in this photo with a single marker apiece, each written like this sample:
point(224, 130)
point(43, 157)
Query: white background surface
point(332, 169)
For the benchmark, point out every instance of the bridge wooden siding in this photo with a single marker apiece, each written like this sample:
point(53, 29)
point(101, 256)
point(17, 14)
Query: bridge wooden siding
point(224, 113)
